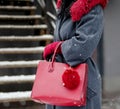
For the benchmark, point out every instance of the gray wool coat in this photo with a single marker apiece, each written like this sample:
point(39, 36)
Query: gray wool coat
point(80, 40)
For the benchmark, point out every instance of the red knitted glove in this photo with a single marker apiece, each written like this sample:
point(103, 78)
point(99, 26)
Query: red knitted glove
point(49, 49)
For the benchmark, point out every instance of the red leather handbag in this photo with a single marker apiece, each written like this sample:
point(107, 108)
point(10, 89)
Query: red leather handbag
point(59, 84)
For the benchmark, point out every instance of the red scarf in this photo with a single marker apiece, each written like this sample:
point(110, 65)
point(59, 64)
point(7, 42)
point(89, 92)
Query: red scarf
point(82, 7)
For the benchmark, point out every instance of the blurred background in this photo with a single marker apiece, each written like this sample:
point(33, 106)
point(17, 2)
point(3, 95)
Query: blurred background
point(26, 26)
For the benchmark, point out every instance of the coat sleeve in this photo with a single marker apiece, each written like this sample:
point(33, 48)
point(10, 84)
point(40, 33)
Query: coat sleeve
point(88, 33)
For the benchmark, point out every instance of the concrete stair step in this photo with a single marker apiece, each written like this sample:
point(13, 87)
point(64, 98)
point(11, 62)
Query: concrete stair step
point(27, 38)
point(15, 96)
point(19, 64)
point(42, 26)
point(24, 8)
point(20, 17)
point(16, 79)
point(28, 50)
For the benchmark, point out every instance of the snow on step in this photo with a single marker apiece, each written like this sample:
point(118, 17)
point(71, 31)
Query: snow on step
point(18, 64)
point(30, 50)
point(14, 96)
point(18, 17)
point(16, 79)
point(43, 26)
point(26, 38)
point(18, 7)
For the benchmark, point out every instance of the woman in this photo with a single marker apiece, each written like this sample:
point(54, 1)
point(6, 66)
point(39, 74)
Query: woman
point(79, 25)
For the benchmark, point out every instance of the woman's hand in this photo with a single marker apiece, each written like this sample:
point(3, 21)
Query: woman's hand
point(49, 49)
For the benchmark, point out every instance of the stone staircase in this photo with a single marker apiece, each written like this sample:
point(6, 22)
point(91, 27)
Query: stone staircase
point(23, 35)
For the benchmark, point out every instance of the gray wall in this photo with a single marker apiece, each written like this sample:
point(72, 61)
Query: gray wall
point(112, 48)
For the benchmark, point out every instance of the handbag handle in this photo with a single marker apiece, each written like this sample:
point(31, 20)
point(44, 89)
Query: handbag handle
point(53, 57)
point(55, 51)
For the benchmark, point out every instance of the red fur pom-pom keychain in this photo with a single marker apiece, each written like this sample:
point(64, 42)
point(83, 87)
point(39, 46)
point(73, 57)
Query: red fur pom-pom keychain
point(70, 79)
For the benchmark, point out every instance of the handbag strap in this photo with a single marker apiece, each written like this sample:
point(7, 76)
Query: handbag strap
point(53, 57)
point(55, 51)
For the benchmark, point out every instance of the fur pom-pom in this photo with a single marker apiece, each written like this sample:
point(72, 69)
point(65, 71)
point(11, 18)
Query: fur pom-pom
point(70, 79)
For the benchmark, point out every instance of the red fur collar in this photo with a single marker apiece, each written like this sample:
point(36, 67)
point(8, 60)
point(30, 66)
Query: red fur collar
point(82, 7)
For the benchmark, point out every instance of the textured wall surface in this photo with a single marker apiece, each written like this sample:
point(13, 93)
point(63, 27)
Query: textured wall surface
point(112, 48)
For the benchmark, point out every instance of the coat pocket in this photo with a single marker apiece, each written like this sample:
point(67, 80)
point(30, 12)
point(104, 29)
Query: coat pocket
point(90, 93)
